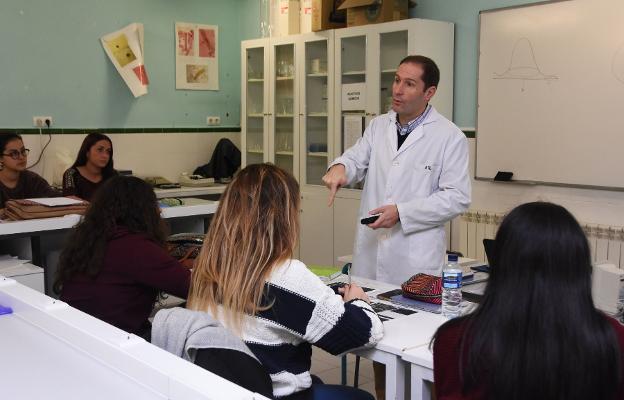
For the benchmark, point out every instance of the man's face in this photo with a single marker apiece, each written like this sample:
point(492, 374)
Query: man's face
point(409, 96)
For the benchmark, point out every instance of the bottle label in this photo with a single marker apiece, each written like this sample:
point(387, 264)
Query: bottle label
point(452, 279)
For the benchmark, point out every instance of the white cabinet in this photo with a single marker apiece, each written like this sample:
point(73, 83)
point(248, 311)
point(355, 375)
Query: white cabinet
point(370, 55)
point(292, 112)
point(316, 242)
point(287, 95)
point(270, 123)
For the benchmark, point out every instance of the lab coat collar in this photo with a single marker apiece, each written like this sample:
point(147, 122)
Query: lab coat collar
point(414, 136)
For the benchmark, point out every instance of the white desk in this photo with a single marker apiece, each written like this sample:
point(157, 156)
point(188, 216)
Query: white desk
point(190, 191)
point(53, 351)
point(47, 235)
point(421, 371)
point(400, 333)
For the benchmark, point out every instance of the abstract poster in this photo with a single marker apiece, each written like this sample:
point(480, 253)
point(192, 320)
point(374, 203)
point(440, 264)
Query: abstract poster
point(197, 56)
point(125, 50)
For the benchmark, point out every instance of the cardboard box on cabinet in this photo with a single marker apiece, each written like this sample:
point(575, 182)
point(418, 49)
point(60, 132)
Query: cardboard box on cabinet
point(363, 12)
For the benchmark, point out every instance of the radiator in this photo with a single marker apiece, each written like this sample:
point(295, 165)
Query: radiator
point(605, 241)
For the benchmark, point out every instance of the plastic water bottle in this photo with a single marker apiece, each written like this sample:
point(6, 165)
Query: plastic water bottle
point(451, 288)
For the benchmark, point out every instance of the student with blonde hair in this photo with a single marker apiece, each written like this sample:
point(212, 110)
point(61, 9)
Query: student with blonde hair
point(247, 279)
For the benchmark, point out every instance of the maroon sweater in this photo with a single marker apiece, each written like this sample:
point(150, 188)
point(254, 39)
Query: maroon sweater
point(135, 269)
point(447, 374)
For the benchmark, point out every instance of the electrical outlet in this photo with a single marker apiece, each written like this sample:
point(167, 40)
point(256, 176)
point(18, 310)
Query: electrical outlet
point(40, 121)
point(213, 120)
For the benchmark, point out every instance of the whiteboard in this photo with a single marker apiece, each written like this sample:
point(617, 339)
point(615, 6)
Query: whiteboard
point(550, 103)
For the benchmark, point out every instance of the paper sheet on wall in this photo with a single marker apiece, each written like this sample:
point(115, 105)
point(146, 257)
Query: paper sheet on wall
point(352, 130)
point(125, 50)
point(197, 56)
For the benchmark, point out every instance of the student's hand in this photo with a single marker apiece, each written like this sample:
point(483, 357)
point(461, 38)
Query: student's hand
point(334, 179)
point(352, 292)
point(388, 218)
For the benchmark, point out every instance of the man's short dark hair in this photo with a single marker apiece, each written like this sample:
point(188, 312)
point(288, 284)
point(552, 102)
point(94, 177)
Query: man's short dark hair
point(431, 73)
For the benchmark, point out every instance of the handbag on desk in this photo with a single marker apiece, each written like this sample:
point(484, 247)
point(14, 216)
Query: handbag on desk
point(423, 287)
point(185, 247)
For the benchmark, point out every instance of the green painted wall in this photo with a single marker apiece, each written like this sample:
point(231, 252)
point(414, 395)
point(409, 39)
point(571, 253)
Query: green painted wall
point(465, 15)
point(52, 63)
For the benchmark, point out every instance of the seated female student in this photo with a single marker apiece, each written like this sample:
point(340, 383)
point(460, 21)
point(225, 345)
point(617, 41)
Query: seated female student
point(115, 264)
point(93, 166)
point(536, 334)
point(15, 181)
point(246, 278)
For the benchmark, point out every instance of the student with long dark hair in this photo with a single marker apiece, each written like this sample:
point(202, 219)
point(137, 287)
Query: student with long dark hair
point(247, 279)
point(115, 262)
point(16, 182)
point(93, 166)
point(536, 334)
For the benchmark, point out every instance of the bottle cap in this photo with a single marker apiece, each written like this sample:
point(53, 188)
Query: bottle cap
point(453, 257)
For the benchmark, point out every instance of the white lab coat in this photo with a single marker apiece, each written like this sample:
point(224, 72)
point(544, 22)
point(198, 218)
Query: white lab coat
point(427, 178)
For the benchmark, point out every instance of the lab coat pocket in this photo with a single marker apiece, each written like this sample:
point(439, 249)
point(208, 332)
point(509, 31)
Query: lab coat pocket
point(425, 178)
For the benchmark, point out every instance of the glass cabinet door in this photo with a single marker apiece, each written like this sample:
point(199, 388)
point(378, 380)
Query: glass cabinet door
point(284, 127)
point(353, 78)
point(316, 111)
point(255, 110)
point(392, 49)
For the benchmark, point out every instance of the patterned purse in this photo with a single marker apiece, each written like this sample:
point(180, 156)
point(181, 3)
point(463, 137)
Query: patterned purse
point(423, 287)
point(185, 247)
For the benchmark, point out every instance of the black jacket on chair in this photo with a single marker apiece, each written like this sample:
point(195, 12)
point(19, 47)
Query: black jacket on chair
point(226, 159)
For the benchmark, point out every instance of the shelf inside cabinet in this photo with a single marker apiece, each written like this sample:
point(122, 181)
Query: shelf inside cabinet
point(318, 75)
point(284, 115)
point(389, 71)
point(284, 78)
point(255, 115)
point(317, 154)
point(318, 114)
point(252, 80)
point(284, 153)
point(255, 151)
point(348, 73)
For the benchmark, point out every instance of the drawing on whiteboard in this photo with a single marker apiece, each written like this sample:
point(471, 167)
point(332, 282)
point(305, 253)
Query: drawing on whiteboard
point(617, 64)
point(523, 65)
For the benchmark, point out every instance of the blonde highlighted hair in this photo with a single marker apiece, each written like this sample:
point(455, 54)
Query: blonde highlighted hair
point(256, 227)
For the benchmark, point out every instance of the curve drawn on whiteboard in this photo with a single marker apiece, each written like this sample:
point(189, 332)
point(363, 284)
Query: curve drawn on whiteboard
point(617, 64)
point(523, 65)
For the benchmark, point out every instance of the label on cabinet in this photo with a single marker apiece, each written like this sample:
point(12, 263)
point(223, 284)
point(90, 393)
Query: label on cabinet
point(354, 97)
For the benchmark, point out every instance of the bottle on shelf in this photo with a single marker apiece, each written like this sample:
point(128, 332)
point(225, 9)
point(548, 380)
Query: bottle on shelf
point(451, 288)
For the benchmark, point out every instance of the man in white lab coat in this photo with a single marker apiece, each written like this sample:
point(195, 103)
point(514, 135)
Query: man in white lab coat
point(415, 163)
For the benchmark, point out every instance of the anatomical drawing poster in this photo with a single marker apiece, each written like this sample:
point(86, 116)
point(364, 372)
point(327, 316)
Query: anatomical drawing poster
point(125, 50)
point(197, 56)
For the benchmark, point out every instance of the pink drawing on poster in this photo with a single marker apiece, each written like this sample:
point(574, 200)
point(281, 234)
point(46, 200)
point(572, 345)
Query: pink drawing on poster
point(141, 74)
point(185, 42)
point(207, 43)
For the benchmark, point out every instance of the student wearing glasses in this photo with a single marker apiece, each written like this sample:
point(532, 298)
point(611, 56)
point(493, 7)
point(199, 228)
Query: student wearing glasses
point(93, 166)
point(15, 181)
